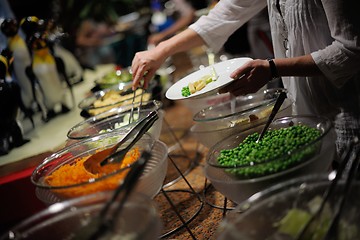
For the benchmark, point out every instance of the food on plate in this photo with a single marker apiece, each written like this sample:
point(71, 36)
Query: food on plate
point(196, 86)
point(81, 182)
point(278, 150)
point(114, 98)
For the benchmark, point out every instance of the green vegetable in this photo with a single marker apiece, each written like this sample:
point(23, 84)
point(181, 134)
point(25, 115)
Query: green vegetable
point(185, 91)
point(296, 219)
point(208, 79)
point(293, 222)
point(115, 77)
point(270, 155)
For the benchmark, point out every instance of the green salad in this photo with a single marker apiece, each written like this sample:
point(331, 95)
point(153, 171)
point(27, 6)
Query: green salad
point(296, 219)
point(116, 77)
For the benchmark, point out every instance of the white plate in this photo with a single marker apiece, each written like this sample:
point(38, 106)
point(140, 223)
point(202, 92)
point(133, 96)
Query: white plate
point(223, 70)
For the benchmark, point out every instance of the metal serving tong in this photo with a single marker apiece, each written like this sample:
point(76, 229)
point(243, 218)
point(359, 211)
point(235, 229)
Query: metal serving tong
point(131, 118)
point(142, 127)
point(94, 163)
point(104, 222)
point(279, 101)
point(132, 107)
point(347, 169)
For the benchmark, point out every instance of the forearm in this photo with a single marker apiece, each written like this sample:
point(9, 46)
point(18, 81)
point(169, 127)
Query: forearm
point(178, 25)
point(145, 63)
point(255, 74)
point(297, 66)
point(181, 42)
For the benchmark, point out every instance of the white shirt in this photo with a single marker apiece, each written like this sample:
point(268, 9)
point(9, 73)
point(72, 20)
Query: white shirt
point(317, 27)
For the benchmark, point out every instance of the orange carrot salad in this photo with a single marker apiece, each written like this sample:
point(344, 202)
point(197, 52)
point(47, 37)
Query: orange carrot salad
point(75, 173)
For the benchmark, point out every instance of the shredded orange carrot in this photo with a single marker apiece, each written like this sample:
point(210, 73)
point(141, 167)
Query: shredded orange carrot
point(75, 173)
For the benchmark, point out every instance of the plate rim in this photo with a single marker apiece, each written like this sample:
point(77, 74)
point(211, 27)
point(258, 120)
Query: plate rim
point(210, 91)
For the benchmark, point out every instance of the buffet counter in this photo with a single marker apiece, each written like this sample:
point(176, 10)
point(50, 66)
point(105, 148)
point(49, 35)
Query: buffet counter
point(16, 190)
point(18, 193)
point(206, 216)
point(188, 204)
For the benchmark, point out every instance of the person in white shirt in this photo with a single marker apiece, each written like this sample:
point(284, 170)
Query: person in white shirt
point(316, 47)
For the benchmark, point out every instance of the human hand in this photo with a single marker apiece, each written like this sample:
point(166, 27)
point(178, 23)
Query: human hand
point(144, 66)
point(249, 78)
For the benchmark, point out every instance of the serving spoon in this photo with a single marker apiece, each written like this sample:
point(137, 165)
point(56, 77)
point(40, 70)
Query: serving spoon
point(104, 222)
point(95, 162)
point(279, 101)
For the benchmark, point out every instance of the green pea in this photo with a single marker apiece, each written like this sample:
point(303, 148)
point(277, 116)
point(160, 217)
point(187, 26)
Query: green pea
point(267, 156)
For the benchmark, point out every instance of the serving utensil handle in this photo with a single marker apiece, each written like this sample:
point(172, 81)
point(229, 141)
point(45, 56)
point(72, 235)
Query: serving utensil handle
point(126, 187)
point(346, 160)
point(149, 121)
point(278, 103)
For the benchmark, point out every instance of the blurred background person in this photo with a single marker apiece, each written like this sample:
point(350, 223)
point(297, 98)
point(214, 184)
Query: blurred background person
point(169, 18)
point(93, 30)
point(92, 47)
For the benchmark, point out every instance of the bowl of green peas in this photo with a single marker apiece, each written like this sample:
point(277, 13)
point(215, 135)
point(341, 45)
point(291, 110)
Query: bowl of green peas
point(239, 166)
point(216, 122)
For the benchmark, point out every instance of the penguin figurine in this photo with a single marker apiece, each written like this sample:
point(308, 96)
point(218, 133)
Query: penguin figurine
point(65, 59)
point(22, 59)
point(46, 31)
point(11, 134)
point(44, 69)
point(29, 25)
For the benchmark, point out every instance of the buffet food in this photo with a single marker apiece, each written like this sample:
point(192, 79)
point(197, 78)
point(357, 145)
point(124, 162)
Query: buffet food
point(238, 167)
point(281, 212)
point(295, 219)
point(252, 117)
point(267, 156)
point(118, 120)
point(80, 183)
point(220, 120)
point(115, 77)
point(114, 98)
point(74, 173)
point(125, 121)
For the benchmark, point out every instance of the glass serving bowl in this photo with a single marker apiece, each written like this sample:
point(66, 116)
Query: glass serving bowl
point(314, 157)
point(118, 78)
point(107, 99)
point(139, 219)
point(77, 181)
point(117, 120)
point(262, 216)
point(215, 123)
point(195, 105)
